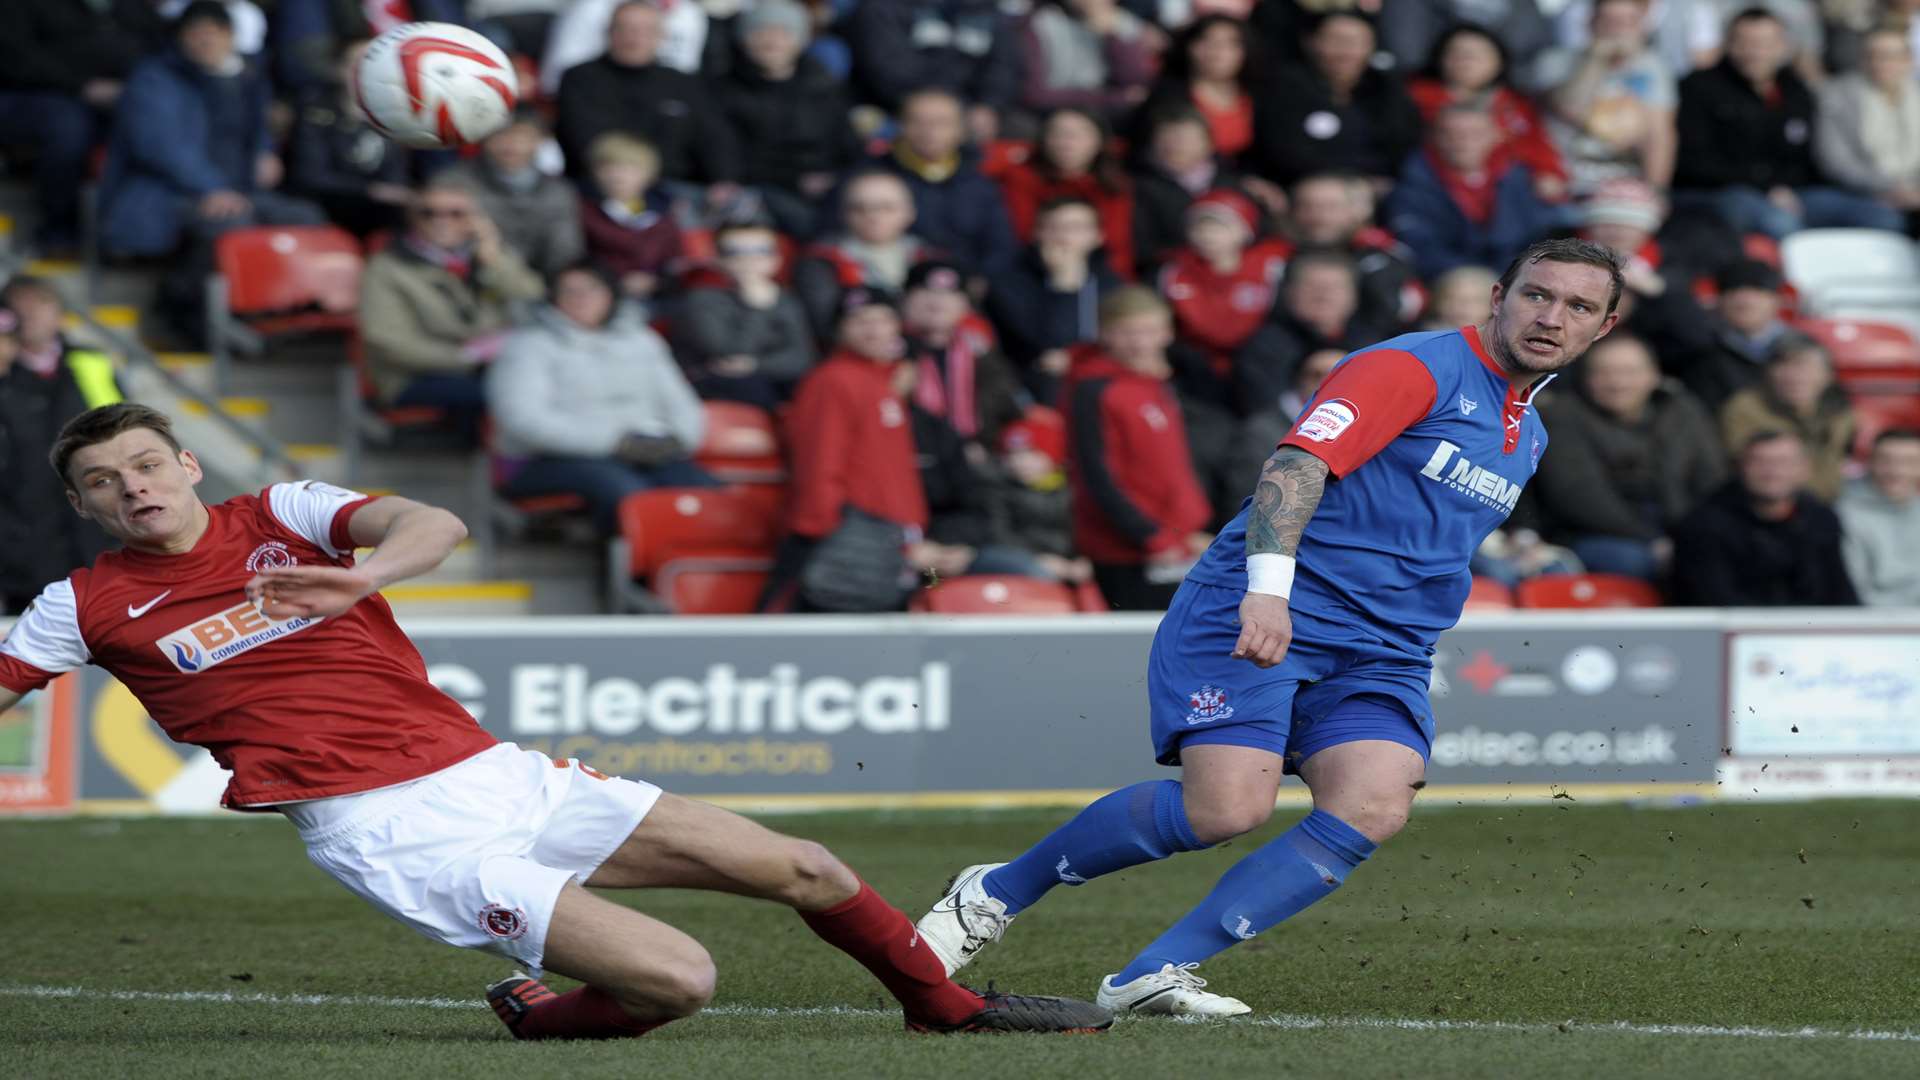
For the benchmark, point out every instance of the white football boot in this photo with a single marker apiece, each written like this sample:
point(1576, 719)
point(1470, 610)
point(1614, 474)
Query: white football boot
point(965, 920)
point(1174, 990)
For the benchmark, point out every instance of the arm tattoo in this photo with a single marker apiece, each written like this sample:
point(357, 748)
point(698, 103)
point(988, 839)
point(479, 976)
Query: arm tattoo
point(1291, 484)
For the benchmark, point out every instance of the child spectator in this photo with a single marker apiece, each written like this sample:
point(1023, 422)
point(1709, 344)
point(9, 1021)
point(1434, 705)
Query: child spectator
point(961, 377)
point(630, 229)
point(334, 157)
point(1070, 160)
point(1050, 299)
point(1632, 455)
point(1211, 69)
point(1797, 393)
point(1138, 511)
point(873, 249)
point(1470, 67)
point(587, 399)
point(538, 215)
point(1029, 506)
point(1762, 540)
point(1461, 203)
point(746, 338)
point(1087, 54)
point(1881, 516)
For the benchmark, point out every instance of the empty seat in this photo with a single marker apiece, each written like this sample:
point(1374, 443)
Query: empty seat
point(741, 444)
point(1585, 591)
point(274, 281)
point(1877, 413)
point(1869, 268)
point(715, 584)
point(996, 594)
point(672, 523)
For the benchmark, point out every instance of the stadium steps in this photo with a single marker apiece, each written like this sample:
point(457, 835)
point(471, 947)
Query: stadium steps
point(462, 599)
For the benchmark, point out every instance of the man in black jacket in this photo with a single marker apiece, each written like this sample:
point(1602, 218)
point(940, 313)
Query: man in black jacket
point(627, 90)
point(968, 47)
point(1746, 141)
point(789, 114)
point(1338, 113)
point(1762, 541)
point(62, 67)
point(40, 541)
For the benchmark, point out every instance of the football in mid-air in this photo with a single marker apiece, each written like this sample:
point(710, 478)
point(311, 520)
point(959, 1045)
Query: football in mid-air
point(435, 85)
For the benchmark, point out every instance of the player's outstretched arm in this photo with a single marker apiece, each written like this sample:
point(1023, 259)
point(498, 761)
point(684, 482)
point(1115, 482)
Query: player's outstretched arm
point(1289, 491)
point(408, 539)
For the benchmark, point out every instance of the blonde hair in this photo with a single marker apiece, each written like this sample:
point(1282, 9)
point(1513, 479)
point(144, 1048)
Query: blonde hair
point(622, 148)
point(1131, 300)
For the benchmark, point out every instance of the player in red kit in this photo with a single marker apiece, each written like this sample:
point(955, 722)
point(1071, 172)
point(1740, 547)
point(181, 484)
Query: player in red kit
point(248, 628)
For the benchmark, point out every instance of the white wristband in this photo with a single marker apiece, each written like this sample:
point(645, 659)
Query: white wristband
point(1270, 573)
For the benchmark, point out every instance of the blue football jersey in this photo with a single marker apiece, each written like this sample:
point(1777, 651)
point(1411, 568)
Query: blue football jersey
point(1428, 446)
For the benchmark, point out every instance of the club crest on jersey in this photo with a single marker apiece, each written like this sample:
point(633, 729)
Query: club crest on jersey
point(1207, 704)
point(1467, 405)
point(200, 645)
point(503, 922)
point(272, 555)
point(1328, 420)
point(1465, 477)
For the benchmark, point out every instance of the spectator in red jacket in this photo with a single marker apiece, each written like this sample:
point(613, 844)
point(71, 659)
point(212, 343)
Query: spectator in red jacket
point(630, 230)
point(1469, 67)
point(853, 449)
point(1138, 511)
point(1070, 160)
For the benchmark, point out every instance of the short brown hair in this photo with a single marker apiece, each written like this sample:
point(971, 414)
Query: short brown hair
point(105, 424)
point(1572, 250)
point(1128, 301)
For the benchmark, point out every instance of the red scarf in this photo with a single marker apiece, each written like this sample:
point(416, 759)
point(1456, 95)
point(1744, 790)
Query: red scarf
point(1474, 199)
point(945, 387)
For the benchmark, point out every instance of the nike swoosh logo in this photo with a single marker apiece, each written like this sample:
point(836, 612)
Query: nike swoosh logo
point(136, 612)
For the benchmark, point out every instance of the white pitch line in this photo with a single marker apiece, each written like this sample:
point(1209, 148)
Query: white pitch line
point(1285, 1021)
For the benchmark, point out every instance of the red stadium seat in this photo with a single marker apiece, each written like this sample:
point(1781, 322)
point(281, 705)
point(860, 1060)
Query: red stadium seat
point(995, 594)
point(715, 584)
point(1877, 413)
point(742, 444)
point(1088, 598)
point(1489, 595)
point(666, 524)
point(1866, 351)
point(280, 281)
point(1585, 591)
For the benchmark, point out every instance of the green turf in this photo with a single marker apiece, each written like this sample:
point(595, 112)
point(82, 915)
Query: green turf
point(16, 740)
point(1537, 916)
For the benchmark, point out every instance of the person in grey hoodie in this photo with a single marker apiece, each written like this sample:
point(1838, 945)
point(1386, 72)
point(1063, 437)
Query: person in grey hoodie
point(743, 335)
point(586, 398)
point(1880, 523)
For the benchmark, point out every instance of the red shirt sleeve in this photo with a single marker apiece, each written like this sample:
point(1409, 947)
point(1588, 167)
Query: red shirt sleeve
point(1362, 407)
point(21, 677)
point(821, 447)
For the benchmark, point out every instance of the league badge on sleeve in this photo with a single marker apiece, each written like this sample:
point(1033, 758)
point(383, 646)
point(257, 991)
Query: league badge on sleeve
point(1328, 420)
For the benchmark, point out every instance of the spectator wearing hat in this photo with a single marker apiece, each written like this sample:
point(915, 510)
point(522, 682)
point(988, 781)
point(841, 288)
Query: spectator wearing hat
point(1338, 112)
point(1029, 505)
point(1177, 165)
point(1070, 160)
point(1138, 510)
point(1747, 133)
point(1880, 513)
point(961, 377)
point(874, 248)
point(1762, 540)
point(1727, 355)
point(538, 214)
point(1633, 454)
point(1657, 303)
point(628, 225)
point(1797, 392)
point(1334, 212)
point(854, 472)
point(744, 335)
point(1469, 67)
point(40, 540)
point(1087, 54)
point(1867, 137)
point(789, 114)
point(587, 399)
point(1612, 102)
point(1050, 299)
point(958, 209)
point(1460, 203)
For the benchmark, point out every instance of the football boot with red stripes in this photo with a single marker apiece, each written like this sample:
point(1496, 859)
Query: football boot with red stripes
point(515, 996)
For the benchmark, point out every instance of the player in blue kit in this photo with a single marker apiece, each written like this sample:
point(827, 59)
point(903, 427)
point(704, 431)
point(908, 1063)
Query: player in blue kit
point(1302, 642)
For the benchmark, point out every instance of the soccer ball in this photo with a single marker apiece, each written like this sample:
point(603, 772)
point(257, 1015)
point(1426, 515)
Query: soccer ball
point(434, 85)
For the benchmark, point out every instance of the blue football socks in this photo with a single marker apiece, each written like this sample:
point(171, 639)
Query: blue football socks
point(1134, 825)
point(1273, 884)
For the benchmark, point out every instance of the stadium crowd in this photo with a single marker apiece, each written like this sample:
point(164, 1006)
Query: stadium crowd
point(1033, 286)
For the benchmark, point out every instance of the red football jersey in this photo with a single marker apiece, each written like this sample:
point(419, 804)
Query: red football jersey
point(297, 708)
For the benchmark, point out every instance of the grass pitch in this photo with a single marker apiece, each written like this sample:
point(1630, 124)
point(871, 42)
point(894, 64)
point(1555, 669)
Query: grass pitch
point(1560, 940)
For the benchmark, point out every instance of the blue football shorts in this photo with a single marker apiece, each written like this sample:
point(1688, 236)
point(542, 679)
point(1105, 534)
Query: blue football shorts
point(1336, 685)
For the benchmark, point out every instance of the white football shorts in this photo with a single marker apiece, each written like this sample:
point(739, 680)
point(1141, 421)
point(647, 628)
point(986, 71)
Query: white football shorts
point(476, 854)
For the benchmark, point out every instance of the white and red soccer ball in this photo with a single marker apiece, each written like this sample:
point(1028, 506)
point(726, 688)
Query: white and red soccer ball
point(435, 85)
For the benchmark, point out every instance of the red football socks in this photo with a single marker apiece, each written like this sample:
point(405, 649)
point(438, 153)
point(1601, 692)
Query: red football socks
point(878, 935)
point(586, 1013)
